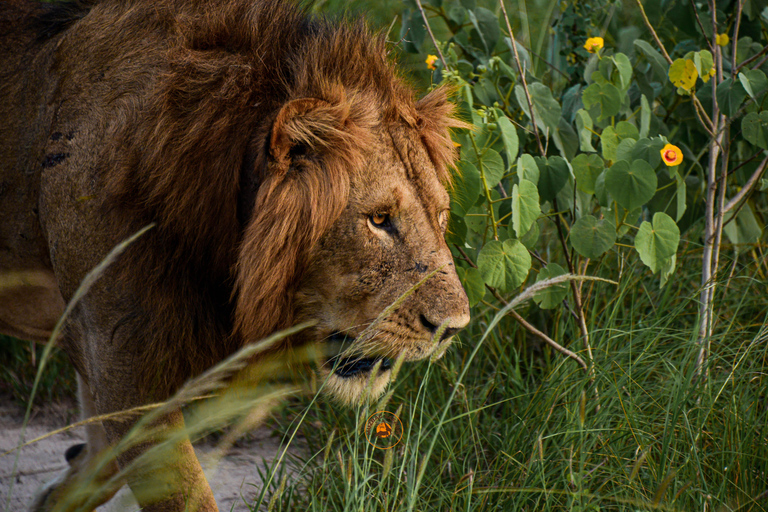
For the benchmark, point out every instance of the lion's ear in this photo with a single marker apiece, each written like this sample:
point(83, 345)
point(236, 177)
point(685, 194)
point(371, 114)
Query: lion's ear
point(308, 125)
point(436, 117)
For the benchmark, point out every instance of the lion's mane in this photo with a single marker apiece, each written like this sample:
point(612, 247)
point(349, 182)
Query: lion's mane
point(201, 145)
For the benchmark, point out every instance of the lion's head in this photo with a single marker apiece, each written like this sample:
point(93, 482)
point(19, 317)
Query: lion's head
point(293, 159)
point(370, 170)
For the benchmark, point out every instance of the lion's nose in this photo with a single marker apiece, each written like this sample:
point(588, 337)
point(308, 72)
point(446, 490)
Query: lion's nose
point(449, 331)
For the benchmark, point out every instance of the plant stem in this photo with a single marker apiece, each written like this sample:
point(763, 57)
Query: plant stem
point(431, 35)
point(530, 328)
point(522, 78)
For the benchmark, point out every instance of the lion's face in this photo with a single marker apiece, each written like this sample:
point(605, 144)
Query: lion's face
point(388, 239)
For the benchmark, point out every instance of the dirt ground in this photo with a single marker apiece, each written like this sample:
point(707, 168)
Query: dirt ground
point(234, 480)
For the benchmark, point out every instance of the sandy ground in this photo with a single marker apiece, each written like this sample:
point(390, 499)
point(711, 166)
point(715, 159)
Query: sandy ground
point(234, 480)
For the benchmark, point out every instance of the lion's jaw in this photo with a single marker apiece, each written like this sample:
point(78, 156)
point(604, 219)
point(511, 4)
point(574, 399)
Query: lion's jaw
point(360, 269)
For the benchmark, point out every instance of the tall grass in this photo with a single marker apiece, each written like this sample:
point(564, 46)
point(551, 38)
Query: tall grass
point(526, 429)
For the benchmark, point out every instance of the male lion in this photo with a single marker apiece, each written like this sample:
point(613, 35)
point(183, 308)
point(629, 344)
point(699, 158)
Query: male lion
point(289, 171)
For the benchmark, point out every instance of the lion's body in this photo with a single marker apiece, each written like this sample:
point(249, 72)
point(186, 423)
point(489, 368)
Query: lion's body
point(255, 140)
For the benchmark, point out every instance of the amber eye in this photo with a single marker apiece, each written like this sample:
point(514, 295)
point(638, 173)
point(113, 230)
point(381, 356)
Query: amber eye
point(380, 220)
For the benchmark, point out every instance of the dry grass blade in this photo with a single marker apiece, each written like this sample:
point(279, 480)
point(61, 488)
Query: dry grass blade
point(84, 287)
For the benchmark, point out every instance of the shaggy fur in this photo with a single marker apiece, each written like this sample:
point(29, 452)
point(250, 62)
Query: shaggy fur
point(259, 142)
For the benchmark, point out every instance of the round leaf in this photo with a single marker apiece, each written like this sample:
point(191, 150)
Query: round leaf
point(587, 168)
point(551, 297)
point(554, 175)
point(472, 281)
point(466, 187)
point(591, 237)
point(504, 265)
point(527, 168)
point(657, 241)
point(607, 96)
point(525, 206)
point(491, 165)
point(631, 185)
point(755, 128)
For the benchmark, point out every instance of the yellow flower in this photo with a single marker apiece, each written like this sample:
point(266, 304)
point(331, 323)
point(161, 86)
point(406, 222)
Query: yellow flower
point(593, 44)
point(671, 155)
point(722, 39)
point(431, 59)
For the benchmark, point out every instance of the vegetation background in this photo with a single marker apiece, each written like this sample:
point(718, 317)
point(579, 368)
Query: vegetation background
point(643, 391)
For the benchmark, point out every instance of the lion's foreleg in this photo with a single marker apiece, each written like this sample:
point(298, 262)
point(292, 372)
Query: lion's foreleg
point(164, 473)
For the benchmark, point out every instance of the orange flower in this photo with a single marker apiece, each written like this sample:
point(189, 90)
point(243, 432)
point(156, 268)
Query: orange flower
point(593, 44)
point(671, 155)
point(431, 59)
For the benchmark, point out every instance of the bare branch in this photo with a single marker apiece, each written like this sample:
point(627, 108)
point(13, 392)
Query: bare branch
point(522, 78)
point(748, 186)
point(431, 35)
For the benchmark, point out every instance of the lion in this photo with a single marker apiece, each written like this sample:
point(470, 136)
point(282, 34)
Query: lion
point(291, 175)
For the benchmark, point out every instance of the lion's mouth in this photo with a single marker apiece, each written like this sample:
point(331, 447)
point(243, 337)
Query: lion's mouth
point(350, 366)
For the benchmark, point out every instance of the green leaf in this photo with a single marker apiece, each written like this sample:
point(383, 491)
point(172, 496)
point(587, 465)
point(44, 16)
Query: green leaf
point(554, 174)
point(657, 241)
point(745, 231)
point(466, 187)
point(504, 265)
point(525, 206)
point(472, 281)
point(487, 26)
point(754, 82)
point(477, 219)
point(631, 185)
point(625, 130)
point(546, 109)
point(625, 149)
point(584, 127)
point(624, 67)
point(645, 117)
point(609, 141)
point(704, 64)
point(648, 150)
point(531, 237)
point(508, 134)
point(457, 230)
point(730, 96)
point(552, 296)
point(591, 237)
point(587, 168)
point(658, 63)
point(607, 96)
point(412, 32)
point(527, 168)
point(755, 128)
point(489, 164)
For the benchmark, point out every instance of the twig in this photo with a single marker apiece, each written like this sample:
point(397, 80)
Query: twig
point(431, 35)
point(751, 59)
point(698, 20)
point(530, 328)
point(522, 78)
point(736, 38)
point(747, 188)
point(549, 341)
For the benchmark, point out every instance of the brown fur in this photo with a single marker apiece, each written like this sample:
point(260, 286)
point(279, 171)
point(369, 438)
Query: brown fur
point(259, 142)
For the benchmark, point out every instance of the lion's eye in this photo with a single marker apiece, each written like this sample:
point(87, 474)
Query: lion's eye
point(442, 218)
point(380, 220)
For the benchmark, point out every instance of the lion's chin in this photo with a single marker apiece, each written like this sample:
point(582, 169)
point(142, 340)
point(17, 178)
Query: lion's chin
point(355, 389)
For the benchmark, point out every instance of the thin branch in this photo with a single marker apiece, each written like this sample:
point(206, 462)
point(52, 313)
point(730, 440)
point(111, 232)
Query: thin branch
point(736, 38)
point(530, 328)
point(431, 35)
point(747, 188)
point(698, 20)
point(522, 78)
point(543, 337)
point(653, 32)
point(752, 58)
